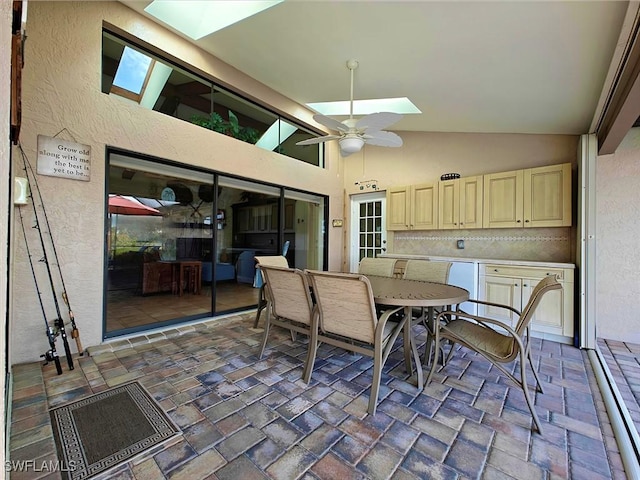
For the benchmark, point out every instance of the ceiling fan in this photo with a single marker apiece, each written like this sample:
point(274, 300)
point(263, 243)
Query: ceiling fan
point(353, 133)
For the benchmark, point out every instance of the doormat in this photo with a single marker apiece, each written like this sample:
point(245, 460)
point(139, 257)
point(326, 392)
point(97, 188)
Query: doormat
point(107, 429)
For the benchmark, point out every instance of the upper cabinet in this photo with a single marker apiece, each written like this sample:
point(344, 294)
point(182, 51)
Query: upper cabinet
point(547, 196)
point(412, 207)
point(460, 203)
point(534, 197)
point(503, 200)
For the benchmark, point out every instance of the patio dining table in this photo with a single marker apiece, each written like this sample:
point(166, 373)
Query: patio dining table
point(393, 291)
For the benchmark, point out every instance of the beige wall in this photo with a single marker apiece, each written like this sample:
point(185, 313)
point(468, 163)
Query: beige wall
point(62, 91)
point(618, 242)
point(61, 85)
point(424, 157)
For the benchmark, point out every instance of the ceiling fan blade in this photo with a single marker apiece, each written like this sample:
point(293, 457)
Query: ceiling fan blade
point(313, 141)
point(377, 121)
point(382, 139)
point(331, 123)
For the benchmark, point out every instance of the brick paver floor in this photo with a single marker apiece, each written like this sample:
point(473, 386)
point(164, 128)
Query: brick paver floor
point(248, 418)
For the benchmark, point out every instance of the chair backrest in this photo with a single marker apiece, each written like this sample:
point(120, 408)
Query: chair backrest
point(272, 260)
point(381, 267)
point(345, 304)
point(289, 293)
point(545, 285)
point(427, 271)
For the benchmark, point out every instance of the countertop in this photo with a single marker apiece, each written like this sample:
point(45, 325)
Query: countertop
point(526, 263)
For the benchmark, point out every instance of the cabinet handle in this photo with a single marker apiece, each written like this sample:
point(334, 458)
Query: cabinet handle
point(517, 221)
point(516, 284)
point(526, 221)
point(495, 269)
point(461, 223)
point(524, 285)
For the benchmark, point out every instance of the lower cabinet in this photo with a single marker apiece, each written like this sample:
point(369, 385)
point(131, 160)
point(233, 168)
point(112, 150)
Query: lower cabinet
point(512, 285)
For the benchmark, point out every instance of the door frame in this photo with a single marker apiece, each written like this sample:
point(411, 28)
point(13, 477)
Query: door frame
point(355, 201)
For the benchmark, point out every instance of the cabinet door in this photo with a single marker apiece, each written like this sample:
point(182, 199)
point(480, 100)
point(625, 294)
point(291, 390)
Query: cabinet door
point(424, 207)
point(471, 189)
point(503, 200)
point(501, 290)
point(449, 204)
point(398, 208)
point(548, 316)
point(547, 196)
point(243, 219)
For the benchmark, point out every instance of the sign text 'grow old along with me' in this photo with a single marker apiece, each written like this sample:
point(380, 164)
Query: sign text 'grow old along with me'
point(62, 158)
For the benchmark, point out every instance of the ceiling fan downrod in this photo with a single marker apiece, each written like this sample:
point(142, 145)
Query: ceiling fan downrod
point(351, 65)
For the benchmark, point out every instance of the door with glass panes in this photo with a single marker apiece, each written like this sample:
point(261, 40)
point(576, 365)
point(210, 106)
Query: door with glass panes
point(368, 231)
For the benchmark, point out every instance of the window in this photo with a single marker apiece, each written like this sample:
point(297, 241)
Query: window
point(132, 74)
point(180, 242)
point(129, 72)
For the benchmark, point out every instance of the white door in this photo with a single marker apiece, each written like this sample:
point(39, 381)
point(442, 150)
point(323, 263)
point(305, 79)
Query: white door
point(368, 227)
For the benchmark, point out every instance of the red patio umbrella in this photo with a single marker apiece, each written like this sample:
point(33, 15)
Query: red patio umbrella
point(129, 206)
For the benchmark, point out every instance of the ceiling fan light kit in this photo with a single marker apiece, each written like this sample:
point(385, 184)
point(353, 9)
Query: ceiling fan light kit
point(352, 134)
point(349, 145)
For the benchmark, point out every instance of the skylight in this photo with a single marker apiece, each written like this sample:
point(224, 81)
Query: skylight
point(197, 19)
point(132, 70)
point(277, 133)
point(364, 107)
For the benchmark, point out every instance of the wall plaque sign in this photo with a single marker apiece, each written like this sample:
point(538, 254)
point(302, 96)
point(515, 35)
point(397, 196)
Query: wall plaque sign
point(62, 158)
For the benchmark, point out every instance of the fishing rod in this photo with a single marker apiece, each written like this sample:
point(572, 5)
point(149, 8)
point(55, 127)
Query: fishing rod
point(59, 322)
point(75, 333)
point(50, 355)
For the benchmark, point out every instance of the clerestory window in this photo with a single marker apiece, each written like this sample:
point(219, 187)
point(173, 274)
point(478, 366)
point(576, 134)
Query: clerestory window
point(152, 82)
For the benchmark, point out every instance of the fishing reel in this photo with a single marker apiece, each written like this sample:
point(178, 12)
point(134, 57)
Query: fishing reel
point(50, 356)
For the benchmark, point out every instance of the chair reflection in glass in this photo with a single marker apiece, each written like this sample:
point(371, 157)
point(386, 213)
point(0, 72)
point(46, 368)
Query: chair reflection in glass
point(496, 341)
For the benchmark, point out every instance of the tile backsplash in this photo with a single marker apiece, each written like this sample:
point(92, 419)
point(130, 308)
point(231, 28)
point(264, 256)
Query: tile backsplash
point(535, 244)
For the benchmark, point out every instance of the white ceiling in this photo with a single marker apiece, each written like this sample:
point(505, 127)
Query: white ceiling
point(479, 66)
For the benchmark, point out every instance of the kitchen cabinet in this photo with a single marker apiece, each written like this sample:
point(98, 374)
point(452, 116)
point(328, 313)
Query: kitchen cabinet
point(503, 199)
point(262, 218)
point(547, 196)
point(460, 203)
point(413, 207)
point(533, 197)
point(512, 285)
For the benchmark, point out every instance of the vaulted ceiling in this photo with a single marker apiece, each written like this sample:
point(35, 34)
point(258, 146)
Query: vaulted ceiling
point(478, 66)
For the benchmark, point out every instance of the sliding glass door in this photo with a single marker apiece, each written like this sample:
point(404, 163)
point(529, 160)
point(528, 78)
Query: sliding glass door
point(180, 243)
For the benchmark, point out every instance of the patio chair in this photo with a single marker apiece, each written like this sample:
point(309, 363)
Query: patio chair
point(497, 341)
point(345, 317)
point(290, 304)
point(427, 271)
point(271, 260)
point(381, 267)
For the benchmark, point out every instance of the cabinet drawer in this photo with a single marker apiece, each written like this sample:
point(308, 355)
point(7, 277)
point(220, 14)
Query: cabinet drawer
point(521, 272)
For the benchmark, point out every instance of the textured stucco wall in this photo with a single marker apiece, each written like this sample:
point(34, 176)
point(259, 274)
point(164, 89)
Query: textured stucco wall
point(62, 91)
point(62, 79)
point(618, 244)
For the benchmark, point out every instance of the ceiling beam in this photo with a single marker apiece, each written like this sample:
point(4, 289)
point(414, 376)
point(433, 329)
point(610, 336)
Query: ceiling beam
point(623, 105)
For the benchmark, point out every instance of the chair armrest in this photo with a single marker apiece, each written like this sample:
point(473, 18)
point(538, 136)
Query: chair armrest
point(499, 305)
point(382, 320)
point(481, 320)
